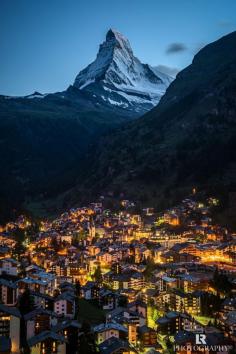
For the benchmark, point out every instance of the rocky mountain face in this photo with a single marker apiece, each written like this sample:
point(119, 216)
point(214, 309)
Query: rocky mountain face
point(188, 140)
point(121, 79)
point(43, 137)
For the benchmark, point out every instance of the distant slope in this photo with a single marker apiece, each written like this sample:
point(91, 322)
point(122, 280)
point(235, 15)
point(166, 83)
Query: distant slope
point(188, 140)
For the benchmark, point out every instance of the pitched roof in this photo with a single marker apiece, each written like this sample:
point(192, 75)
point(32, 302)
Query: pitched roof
point(145, 329)
point(112, 345)
point(162, 320)
point(137, 303)
point(182, 337)
point(110, 325)
point(11, 260)
point(45, 335)
point(8, 283)
point(179, 246)
point(43, 296)
point(40, 311)
point(65, 296)
point(168, 279)
point(65, 324)
point(10, 310)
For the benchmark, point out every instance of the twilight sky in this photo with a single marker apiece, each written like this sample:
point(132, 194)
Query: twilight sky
point(45, 43)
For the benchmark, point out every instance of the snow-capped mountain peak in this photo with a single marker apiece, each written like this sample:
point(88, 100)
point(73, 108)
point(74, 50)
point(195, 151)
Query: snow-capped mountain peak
point(120, 78)
point(118, 40)
point(116, 47)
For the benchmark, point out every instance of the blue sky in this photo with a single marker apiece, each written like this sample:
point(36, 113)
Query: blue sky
point(44, 44)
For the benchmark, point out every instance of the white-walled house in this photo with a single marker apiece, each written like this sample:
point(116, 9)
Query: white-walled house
point(10, 326)
point(64, 304)
point(47, 340)
point(105, 331)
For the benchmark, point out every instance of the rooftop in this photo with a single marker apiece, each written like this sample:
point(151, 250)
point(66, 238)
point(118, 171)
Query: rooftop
point(45, 335)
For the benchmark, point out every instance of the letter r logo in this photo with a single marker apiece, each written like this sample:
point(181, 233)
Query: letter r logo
point(200, 338)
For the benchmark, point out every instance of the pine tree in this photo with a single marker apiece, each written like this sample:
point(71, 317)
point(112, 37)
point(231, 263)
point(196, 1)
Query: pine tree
point(98, 274)
point(87, 343)
point(26, 303)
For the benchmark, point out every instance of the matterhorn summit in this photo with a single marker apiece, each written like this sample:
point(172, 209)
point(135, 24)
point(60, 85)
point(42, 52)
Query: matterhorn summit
point(120, 79)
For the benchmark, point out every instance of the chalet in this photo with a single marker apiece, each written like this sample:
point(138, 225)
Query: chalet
point(138, 307)
point(90, 290)
point(4, 250)
point(116, 346)
point(185, 247)
point(125, 316)
point(8, 292)
point(9, 266)
point(177, 300)
point(34, 285)
point(42, 300)
point(108, 330)
point(148, 336)
point(166, 283)
point(129, 280)
point(191, 303)
point(64, 304)
point(39, 320)
point(105, 258)
point(175, 321)
point(190, 282)
point(70, 330)
point(108, 299)
point(47, 340)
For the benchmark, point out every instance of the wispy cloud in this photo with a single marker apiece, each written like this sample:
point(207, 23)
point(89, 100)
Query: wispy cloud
point(168, 70)
point(174, 48)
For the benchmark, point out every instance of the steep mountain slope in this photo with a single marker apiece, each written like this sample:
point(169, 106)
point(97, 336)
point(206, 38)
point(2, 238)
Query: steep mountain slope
point(188, 140)
point(44, 136)
point(121, 79)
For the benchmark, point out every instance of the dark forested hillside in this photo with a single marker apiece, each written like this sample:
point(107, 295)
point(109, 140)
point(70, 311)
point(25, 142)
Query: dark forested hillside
point(188, 140)
point(42, 140)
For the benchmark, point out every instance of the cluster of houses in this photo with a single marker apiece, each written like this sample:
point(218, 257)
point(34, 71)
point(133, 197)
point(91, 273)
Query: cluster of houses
point(151, 276)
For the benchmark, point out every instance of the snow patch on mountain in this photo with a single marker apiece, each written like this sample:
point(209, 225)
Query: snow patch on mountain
point(88, 82)
point(32, 96)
